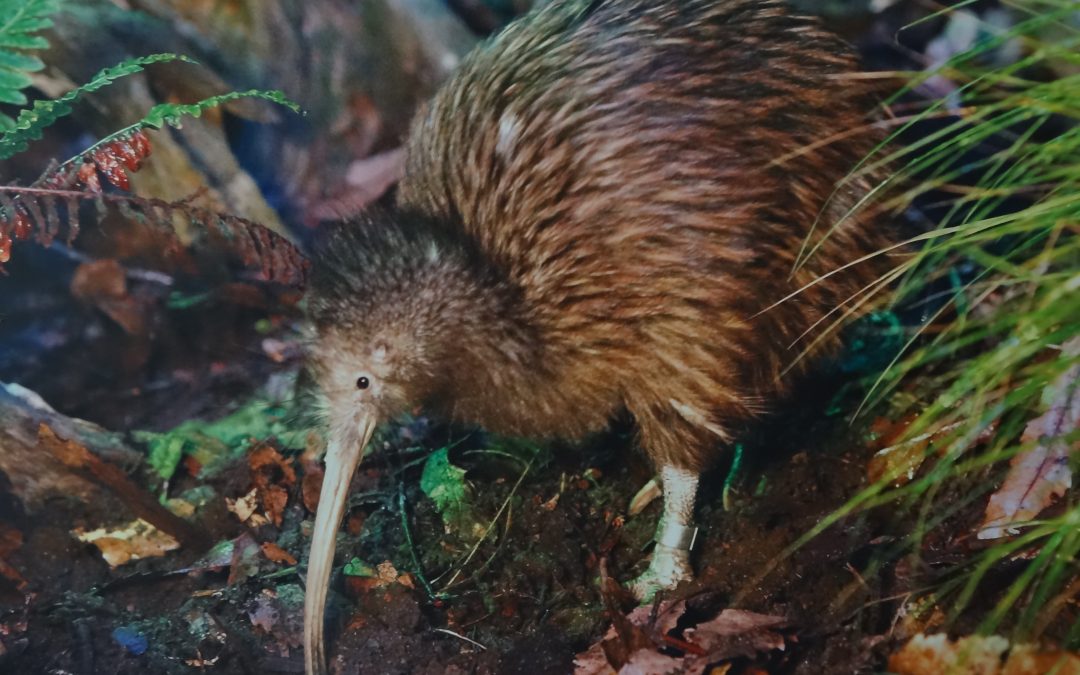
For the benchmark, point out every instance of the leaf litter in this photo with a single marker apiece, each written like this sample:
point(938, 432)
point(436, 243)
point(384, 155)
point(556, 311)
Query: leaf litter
point(1040, 475)
point(646, 642)
point(978, 655)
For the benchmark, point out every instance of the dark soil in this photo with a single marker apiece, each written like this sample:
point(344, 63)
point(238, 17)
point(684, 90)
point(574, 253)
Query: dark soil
point(526, 602)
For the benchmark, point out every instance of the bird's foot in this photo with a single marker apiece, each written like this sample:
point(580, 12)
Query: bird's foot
point(668, 568)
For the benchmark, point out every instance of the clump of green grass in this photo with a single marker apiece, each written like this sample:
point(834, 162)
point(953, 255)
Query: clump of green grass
point(999, 276)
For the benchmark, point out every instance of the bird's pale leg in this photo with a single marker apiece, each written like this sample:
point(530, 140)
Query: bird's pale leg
point(675, 536)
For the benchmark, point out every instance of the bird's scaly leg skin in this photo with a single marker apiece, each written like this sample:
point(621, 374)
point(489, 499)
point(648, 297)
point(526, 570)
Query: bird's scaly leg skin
point(675, 536)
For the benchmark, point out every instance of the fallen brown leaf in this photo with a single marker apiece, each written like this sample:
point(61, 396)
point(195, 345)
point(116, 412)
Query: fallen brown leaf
point(88, 465)
point(99, 279)
point(1039, 476)
point(311, 488)
point(275, 553)
point(737, 632)
point(103, 283)
point(11, 540)
point(733, 633)
point(978, 655)
point(274, 500)
point(134, 541)
point(243, 562)
point(281, 622)
point(273, 476)
point(269, 467)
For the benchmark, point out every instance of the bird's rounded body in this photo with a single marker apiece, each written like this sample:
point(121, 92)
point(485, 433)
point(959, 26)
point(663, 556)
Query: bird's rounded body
point(616, 164)
point(602, 210)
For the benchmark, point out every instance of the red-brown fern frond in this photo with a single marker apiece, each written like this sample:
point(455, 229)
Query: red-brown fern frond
point(112, 159)
point(47, 212)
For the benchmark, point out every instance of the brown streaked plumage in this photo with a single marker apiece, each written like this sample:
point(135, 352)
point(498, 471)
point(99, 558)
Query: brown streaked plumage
point(592, 220)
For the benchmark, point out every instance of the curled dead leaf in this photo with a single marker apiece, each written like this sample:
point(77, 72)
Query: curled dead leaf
point(732, 633)
point(133, 541)
point(1040, 475)
point(311, 488)
point(103, 283)
point(244, 506)
point(273, 476)
point(275, 553)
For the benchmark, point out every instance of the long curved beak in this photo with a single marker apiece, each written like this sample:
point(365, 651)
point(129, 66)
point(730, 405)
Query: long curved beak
point(343, 454)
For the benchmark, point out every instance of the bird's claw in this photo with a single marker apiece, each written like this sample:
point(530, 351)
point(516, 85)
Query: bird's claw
point(668, 568)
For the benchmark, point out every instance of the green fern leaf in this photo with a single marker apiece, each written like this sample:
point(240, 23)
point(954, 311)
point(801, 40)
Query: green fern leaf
point(19, 20)
point(32, 121)
point(20, 62)
point(172, 114)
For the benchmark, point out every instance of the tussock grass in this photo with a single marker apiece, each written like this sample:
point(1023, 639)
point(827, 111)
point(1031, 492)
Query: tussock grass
point(996, 278)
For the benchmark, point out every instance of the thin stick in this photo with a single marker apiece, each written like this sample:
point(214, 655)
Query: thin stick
point(412, 546)
point(491, 525)
point(75, 456)
point(460, 637)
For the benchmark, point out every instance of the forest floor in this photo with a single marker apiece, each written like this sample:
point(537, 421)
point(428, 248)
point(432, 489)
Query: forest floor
point(424, 591)
point(460, 552)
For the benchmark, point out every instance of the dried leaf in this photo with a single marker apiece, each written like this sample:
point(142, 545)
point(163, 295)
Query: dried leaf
point(274, 499)
point(1040, 475)
point(360, 576)
point(11, 540)
point(244, 506)
point(265, 615)
point(387, 573)
point(268, 467)
point(732, 633)
point(244, 561)
point(133, 541)
point(275, 553)
point(87, 464)
point(276, 612)
point(200, 662)
point(273, 475)
point(652, 662)
point(311, 488)
point(99, 279)
point(896, 460)
point(978, 655)
point(737, 632)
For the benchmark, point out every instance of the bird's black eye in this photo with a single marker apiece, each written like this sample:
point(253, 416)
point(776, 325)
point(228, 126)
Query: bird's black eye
point(363, 383)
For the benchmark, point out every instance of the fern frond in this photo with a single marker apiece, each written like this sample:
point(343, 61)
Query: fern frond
point(173, 113)
point(19, 21)
point(32, 121)
point(47, 213)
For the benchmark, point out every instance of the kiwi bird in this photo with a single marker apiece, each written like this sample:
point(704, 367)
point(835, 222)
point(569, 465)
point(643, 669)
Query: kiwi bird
point(603, 210)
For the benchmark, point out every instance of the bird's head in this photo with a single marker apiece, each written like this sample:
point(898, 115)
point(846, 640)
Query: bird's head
point(384, 302)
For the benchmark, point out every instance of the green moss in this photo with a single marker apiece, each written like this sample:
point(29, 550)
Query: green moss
point(445, 485)
point(215, 444)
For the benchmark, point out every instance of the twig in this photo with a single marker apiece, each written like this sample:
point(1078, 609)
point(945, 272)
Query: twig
point(76, 457)
point(412, 546)
point(149, 276)
point(491, 525)
point(460, 637)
